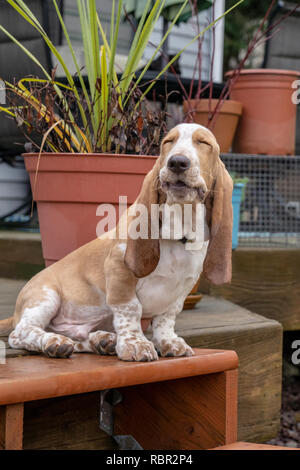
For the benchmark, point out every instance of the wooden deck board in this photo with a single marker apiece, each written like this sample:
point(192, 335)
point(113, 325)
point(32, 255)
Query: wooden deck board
point(9, 289)
point(21, 254)
point(257, 340)
point(265, 281)
point(252, 446)
point(33, 378)
point(62, 395)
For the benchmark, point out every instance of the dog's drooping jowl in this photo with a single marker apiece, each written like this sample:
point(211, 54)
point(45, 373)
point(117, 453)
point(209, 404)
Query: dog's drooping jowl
point(94, 299)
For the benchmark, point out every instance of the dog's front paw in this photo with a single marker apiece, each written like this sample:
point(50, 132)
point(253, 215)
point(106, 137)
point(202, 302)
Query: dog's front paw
point(135, 348)
point(173, 347)
point(58, 346)
point(103, 342)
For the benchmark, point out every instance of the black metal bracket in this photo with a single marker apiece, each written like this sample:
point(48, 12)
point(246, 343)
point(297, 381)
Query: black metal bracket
point(108, 399)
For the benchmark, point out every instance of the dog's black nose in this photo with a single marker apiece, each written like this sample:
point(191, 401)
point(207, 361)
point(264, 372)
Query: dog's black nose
point(178, 163)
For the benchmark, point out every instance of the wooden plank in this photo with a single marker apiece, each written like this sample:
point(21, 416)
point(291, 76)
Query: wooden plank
point(21, 254)
point(73, 422)
point(252, 446)
point(230, 379)
point(11, 427)
point(68, 423)
point(9, 289)
point(258, 343)
point(192, 413)
point(265, 281)
point(34, 377)
point(10, 352)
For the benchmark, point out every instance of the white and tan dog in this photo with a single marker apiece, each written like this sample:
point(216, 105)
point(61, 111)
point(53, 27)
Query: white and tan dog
point(94, 299)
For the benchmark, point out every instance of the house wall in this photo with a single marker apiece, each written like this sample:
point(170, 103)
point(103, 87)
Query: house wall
point(180, 36)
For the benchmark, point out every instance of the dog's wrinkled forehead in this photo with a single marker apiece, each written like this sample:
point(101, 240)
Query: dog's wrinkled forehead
point(187, 131)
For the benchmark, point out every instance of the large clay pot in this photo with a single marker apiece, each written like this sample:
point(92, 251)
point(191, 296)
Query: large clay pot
point(70, 187)
point(226, 122)
point(268, 123)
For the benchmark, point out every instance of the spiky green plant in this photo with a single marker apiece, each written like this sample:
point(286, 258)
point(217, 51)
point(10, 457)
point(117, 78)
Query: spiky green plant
point(100, 69)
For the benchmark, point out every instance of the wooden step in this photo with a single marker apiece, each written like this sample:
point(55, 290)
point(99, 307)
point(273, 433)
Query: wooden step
point(30, 378)
point(218, 323)
point(20, 254)
point(267, 281)
point(187, 402)
point(252, 446)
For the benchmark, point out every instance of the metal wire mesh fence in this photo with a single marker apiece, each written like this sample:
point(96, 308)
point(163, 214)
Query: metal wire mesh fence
point(270, 208)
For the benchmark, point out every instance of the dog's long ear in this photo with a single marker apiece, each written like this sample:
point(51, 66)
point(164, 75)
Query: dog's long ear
point(142, 255)
point(217, 264)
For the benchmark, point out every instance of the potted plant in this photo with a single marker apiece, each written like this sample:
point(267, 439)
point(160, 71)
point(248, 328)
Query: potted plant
point(220, 115)
point(94, 133)
point(247, 100)
point(268, 123)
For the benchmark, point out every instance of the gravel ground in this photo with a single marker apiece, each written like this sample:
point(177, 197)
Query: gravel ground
point(289, 434)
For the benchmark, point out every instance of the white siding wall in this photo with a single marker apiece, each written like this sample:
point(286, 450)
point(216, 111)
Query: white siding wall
point(179, 37)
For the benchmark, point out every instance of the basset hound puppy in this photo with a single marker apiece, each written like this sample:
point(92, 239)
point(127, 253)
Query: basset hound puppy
point(94, 299)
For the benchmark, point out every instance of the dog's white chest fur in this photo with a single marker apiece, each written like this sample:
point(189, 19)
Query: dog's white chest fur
point(175, 275)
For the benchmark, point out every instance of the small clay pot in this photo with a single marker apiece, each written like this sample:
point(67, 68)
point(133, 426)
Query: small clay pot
point(193, 298)
point(226, 122)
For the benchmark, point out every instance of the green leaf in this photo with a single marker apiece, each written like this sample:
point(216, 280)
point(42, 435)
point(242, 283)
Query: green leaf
point(104, 98)
point(140, 42)
point(157, 49)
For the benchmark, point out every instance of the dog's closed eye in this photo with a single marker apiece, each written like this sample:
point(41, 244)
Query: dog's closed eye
point(200, 142)
point(169, 141)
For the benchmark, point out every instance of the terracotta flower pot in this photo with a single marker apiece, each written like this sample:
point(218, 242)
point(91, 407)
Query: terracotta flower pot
point(268, 123)
point(226, 122)
point(70, 187)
